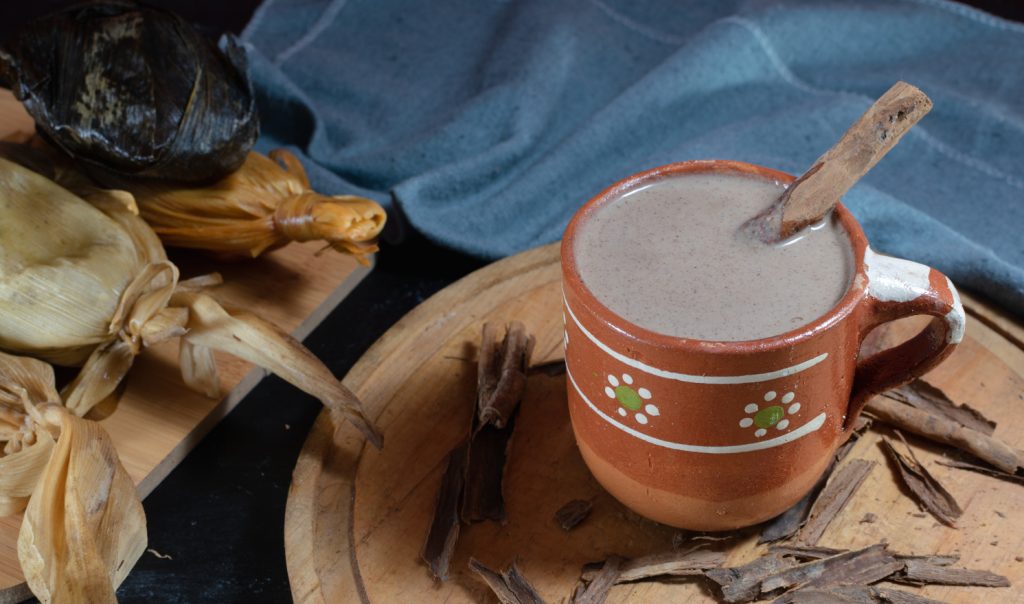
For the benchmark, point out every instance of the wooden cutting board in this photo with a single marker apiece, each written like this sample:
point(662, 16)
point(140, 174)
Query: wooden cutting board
point(356, 518)
point(158, 420)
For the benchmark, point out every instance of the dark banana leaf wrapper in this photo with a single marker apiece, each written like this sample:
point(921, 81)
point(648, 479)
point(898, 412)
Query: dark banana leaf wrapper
point(135, 91)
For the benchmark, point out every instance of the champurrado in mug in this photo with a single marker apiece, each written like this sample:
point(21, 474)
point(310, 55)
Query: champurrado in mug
point(711, 376)
point(671, 257)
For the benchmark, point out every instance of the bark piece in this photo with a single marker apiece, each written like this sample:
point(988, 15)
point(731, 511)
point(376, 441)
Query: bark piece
point(945, 431)
point(790, 521)
point(1017, 477)
point(924, 571)
point(853, 594)
point(803, 552)
point(444, 529)
point(597, 590)
point(833, 498)
point(487, 372)
point(483, 496)
point(860, 567)
point(669, 564)
point(934, 559)
point(926, 489)
point(926, 397)
point(501, 377)
point(510, 586)
point(501, 383)
point(743, 583)
point(570, 515)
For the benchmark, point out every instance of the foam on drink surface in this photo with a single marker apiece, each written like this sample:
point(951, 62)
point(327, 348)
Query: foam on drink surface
point(670, 256)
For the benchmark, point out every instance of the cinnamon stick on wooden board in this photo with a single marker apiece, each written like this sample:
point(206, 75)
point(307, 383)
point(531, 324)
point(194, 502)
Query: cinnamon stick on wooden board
point(926, 397)
point(472, 484)
point(943, 430)
point(812, 196)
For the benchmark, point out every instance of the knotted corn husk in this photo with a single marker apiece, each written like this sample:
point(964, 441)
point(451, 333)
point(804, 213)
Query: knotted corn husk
point(263, 205)
point(84, 527)
point(84, 281)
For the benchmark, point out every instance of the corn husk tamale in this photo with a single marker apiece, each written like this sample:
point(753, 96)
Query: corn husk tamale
point(84, 526)
point(263, 205)
point(84, 281)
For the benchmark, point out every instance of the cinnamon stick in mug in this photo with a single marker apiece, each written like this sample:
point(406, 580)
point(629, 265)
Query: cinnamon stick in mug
point(817, 191)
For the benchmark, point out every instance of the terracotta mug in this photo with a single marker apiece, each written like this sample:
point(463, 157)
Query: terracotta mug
point(720, 435)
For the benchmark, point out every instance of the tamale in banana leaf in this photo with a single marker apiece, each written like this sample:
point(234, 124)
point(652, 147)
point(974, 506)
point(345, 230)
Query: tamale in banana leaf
point(133, 90)
point(84, 281)
point(84, 527)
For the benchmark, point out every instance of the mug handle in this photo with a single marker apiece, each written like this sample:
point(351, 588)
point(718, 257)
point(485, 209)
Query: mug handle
point(896, 289)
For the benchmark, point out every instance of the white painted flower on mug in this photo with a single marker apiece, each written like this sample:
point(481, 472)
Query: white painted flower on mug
point(633, 401)
point(769, 413)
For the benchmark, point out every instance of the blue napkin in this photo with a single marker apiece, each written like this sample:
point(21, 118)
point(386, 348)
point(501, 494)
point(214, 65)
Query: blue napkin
point(485, 124)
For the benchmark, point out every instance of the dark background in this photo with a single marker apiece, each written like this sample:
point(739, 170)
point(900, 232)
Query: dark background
point(220, 514)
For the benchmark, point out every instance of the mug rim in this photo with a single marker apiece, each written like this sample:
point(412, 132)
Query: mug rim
point(842, 308)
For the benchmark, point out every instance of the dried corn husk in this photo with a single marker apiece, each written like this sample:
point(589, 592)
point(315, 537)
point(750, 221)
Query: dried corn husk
point(84, 281)
point(263, 205)
point(84, 526)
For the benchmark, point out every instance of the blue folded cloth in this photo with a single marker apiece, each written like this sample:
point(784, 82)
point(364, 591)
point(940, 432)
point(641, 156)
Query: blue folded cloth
point(485, 124)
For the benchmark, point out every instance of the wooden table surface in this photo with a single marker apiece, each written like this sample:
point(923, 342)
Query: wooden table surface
point(356, 517)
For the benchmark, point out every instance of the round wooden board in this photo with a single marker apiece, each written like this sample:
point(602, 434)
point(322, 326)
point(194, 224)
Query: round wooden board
point(356, 517)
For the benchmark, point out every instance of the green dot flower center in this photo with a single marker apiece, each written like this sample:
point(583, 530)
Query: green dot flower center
point(628, 397)
point(769, 416)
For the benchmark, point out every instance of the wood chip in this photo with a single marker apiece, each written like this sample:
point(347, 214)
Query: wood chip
point(923, 571)
point(669, 564)
point(444, 528)
point(926, 397)
point(510, 586)
point(925, 488)
point(743, 583)
point(790, 521)
point(853, 594)
point(501, 372)
point(860, 567)
point(570, 515)
point(597, 590)
point(833, 498)
point(945, 431)
point(1017, 477)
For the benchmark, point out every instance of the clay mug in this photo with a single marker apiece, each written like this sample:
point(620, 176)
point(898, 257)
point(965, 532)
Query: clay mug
point(719, 435)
